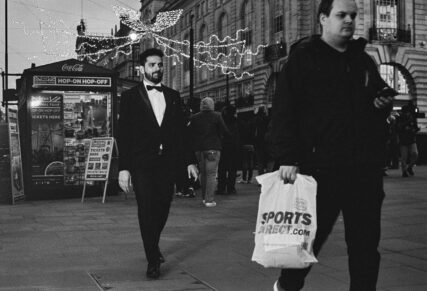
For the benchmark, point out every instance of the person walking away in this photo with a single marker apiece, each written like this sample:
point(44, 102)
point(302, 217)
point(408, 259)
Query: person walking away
point(150, 141)
point(246, 130)
point(184, 185)
point(407, 130)
point(206, 129)
point(329, 122)
point(228, 163)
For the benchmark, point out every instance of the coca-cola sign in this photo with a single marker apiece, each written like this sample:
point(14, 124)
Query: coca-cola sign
point(72, 68)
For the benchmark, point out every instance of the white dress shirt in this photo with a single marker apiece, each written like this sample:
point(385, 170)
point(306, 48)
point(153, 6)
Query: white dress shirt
point(157, 100)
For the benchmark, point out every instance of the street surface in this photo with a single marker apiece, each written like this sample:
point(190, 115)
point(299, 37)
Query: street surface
point(69, 245)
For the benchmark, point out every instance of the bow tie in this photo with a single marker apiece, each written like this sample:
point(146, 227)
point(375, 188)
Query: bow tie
point(158, 88)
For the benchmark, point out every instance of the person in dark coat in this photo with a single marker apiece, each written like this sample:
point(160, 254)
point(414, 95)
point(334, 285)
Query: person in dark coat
point(228, 163)
point(329, 122)
point(206, 129)
point(150, 141)
point(407, 129)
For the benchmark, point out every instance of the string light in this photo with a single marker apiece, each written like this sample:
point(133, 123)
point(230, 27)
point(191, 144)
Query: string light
point(226, 54)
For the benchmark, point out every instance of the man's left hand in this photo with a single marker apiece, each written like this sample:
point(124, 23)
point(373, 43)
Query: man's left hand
point(193, 172)
point(382, 102)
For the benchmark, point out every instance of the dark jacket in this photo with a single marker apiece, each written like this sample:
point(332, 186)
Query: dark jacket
point(323, 111)
point(206, 129)
point(140, 136)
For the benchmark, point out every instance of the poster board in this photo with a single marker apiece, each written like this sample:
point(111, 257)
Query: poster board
point(17, 183)
point(99, 161)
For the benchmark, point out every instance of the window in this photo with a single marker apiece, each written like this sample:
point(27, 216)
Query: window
point(278, 21)
point(186, 65)
point(246, 20)
point(203, 57)
point(394, 78)
point(388, 22)
point(222, 95)
point(244, 89)
point(173, 74)
point(222, 32)
point(245, 95)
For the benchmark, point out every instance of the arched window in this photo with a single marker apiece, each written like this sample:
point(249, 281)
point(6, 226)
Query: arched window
point(246, 23)
point(222, 25)
point(394, 78)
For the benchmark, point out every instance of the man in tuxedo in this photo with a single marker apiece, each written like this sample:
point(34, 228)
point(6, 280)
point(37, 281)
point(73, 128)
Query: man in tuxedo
point(151, 143)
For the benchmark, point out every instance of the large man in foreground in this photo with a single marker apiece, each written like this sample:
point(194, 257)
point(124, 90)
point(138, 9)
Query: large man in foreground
point(329, 121)
point(151, 131)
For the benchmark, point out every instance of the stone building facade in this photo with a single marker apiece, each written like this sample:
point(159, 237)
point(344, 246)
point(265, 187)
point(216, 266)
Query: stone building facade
point(396, 30)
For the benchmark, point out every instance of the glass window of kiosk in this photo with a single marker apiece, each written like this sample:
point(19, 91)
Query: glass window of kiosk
point(63, 123)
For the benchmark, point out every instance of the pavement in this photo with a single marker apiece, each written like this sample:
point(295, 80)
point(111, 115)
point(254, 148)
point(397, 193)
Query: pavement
point(72, 246)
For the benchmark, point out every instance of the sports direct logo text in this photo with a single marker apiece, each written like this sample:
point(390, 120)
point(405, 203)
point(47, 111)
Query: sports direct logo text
point(284, 223)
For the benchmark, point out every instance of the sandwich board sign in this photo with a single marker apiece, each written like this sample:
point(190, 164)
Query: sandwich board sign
point(17, 182)
point(99, 161)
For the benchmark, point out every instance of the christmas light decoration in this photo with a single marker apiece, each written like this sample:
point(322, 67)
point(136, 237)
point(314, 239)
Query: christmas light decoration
point(226, 54)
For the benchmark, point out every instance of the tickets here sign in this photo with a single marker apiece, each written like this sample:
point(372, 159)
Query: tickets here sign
point(99, 159)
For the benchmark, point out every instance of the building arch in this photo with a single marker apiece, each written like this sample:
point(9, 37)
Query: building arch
point(400, 79)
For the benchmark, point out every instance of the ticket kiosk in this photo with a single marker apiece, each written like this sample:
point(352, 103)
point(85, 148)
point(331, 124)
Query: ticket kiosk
point(62, 106)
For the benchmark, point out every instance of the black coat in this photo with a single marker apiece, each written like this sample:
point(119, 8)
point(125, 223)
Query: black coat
point(140, 136)
point(323, 111)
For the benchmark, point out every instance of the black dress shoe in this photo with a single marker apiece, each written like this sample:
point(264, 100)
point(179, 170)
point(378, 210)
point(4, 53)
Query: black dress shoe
point(153, 270)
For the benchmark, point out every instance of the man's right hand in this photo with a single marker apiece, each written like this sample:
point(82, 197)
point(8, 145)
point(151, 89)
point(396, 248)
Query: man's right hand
point(125, 181)
point(288, 173)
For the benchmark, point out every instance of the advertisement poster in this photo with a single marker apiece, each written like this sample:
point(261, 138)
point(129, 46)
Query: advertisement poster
point(15, 157)
point(75, 156)
point(99, 159)
point(47, 137)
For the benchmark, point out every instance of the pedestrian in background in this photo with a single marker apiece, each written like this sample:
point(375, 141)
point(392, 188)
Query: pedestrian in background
point(228, 163)
point(206, 129)
point(329, 122)
point(407, 129)
point(150, 141)
point(247, 150)
point(184, 185)
point(261, 152)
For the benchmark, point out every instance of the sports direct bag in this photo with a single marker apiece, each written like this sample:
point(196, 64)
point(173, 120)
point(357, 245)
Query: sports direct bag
point(286, 222)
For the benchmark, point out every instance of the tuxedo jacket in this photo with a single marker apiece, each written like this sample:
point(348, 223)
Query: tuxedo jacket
point(140, 135)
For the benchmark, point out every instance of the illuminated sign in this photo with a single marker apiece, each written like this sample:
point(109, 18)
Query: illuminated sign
point(41, 81)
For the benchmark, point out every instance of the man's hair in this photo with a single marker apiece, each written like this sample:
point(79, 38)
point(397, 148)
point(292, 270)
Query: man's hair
point(325, 7)
point(148, 53)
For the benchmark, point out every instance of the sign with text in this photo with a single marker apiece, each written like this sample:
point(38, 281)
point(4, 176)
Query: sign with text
point(99, 158)
point(69, 81)
point(15, 157)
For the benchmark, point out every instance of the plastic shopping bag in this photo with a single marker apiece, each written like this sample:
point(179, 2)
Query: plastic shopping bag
point(286, 223)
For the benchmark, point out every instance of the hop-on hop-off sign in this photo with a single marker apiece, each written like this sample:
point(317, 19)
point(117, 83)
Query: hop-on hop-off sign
point(41, 81)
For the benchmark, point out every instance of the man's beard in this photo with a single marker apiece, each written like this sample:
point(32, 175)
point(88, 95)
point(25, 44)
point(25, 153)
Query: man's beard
point(153, 79)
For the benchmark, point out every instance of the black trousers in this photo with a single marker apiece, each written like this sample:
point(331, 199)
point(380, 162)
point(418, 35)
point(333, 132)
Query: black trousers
point(153, 191)
point(358, 193)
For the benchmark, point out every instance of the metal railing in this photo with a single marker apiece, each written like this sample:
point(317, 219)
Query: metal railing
point(390, 34)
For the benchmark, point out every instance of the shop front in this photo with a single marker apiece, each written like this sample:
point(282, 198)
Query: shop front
point(62, 106)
